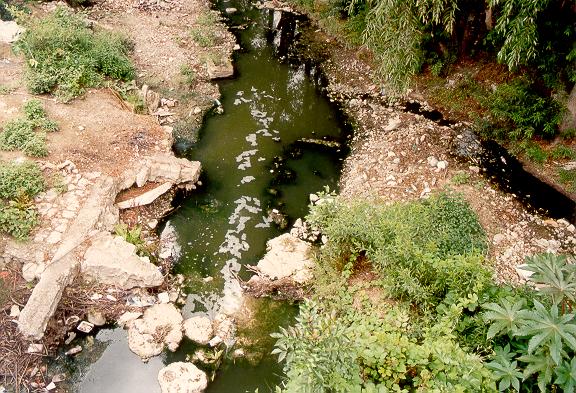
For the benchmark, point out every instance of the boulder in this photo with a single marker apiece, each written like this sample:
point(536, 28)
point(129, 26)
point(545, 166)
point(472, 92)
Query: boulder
point(160, 326)
point(224, 70)
point(199, 329)
point(112, 260)
point(181, 377)
point(9, 31)
point(287, 257)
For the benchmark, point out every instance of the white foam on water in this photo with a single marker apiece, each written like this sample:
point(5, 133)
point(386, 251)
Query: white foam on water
point(244, 159)
point(247, 179)
point(251, 138)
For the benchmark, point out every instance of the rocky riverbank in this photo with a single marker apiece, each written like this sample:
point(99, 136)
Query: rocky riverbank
point(398, 155)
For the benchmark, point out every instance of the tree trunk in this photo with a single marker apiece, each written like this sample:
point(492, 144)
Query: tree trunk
point(569, 121)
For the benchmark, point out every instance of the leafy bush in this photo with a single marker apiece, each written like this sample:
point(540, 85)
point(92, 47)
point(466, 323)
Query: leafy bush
point(365, 351)
point(540, 338)
point(424, 249)
point(319, 354)
point(518, 108)
point(20, 179)
point(64, 56)
point(17, 218)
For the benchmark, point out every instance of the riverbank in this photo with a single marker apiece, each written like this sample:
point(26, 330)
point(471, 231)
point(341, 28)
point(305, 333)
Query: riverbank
point(398, 155)
point(105, 145)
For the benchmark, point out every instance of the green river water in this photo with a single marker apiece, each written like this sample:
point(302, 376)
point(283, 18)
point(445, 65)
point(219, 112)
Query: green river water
point(252, 162)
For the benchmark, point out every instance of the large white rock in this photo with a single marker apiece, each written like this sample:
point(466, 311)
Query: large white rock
point(160, 326)
point(112, 260)
point(199, 329)
point(182, 377)
point(287, 256)
point(9, 31)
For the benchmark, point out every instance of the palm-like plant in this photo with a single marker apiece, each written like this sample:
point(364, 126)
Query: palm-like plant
point(556, 277)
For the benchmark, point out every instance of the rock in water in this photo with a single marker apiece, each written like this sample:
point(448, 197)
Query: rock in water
point(287, 256)
point(182, 377)
point(160, 326)
point(199, 329)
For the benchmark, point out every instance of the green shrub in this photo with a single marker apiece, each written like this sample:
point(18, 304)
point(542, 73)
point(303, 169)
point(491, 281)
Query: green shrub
point(17, 218)
point(362, 351)
point(20, 179)
point(319, 353)
point(518, 108)
point(423, 249)
point(65, 57)
point(16, 134)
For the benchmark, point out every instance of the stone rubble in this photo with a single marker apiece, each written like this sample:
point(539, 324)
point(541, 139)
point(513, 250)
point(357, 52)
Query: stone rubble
point(199, 329)
point(112, 260)
point(84, 210)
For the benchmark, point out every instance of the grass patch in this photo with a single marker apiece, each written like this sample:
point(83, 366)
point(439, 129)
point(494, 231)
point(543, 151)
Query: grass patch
point(204, 33)
point(562, 152)
point(535, 153)
point(461, 178)
point(188, 74)
point(568, 178)
point(28, 133)
point(64, 56)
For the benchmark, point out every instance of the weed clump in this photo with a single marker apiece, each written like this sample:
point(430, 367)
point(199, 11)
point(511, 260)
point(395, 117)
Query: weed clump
point(19, 183)
point(64, 56)
point(28, 133)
